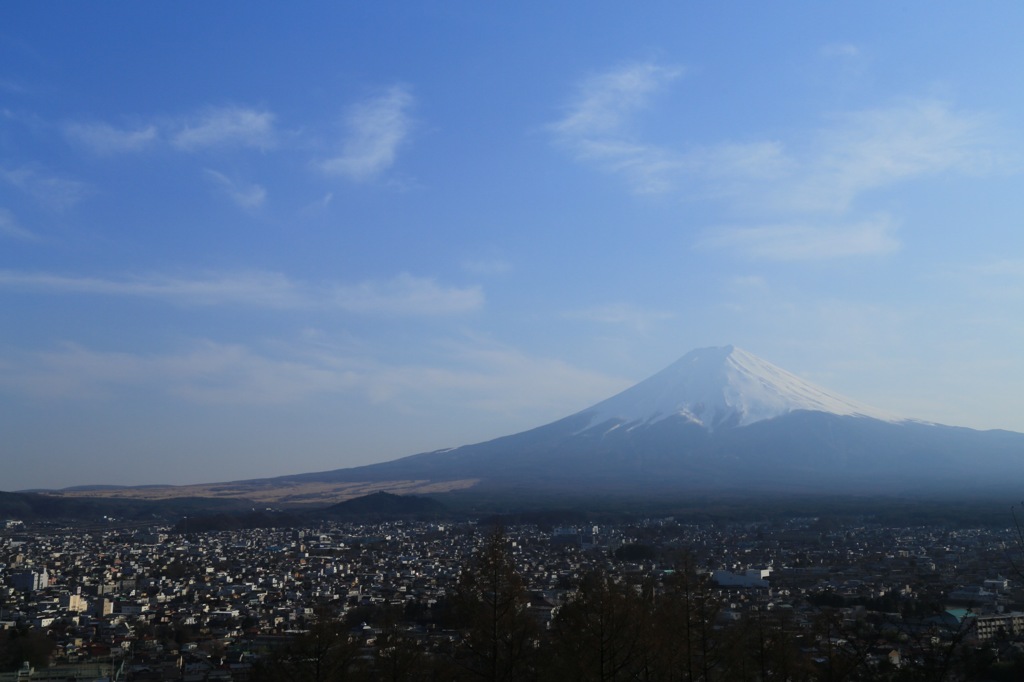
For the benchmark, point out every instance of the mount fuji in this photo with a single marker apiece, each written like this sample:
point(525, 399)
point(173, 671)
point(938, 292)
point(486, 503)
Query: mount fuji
point(720, 419)
point(722, 387)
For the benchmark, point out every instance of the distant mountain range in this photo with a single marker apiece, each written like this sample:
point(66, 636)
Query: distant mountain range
point(720, 419)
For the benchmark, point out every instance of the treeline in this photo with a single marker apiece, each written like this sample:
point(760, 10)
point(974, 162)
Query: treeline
point(613, 629)
point(373, 508)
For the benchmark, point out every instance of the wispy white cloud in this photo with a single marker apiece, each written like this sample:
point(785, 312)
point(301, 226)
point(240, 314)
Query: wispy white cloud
point(597, 126)
point(641, 319)
point(400, 295)
point(375, 130)
point(857, 152)
point(226, 126)
point(105, 139)
point(237, 126)
point(49, 190)
point(245, 195)
point(604, 103)
point(808, 189)
point(813, 192)
point(261, 289)
point(794, 242)
point(861, 151)
point(877, 148)
point(9, 227)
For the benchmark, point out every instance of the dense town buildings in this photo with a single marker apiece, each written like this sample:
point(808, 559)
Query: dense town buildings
point(150, 604)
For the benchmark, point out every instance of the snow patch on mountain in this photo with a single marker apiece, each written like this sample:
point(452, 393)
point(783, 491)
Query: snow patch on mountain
point(723, 386)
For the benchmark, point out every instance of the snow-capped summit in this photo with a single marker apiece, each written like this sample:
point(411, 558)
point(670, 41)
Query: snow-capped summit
point(719, 419)
point(722, 386)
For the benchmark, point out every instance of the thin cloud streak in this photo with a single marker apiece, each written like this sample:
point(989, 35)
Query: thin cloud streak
point(246, 196)
point(269, 290)
point(375, 130)
point(596, 126)
point(9, 227)
point(237, 126)
point(207, 373)
point(401, 295)
point(211, 127)
point(482, 377)
point(104, 140)
point(797, 242)
point(49, 190)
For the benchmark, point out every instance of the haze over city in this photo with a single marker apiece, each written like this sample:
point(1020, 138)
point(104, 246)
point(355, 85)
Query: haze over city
point(242, 240)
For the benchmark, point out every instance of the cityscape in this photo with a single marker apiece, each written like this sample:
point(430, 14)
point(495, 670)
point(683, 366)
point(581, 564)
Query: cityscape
point(827, 598)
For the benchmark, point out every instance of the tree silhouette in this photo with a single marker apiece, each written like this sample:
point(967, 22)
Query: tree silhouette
point(22, 644)
point(399, 657)
point(600, 633)
point(498, 634)
point(325, 653)
point(688, 647)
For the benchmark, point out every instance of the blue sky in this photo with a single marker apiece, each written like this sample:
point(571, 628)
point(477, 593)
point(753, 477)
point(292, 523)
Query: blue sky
point(244, 239)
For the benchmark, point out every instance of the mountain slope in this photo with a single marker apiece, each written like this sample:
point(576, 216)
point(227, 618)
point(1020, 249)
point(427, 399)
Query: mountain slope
point(720, 418)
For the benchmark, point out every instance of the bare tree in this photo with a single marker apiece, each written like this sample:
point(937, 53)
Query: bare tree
point(498, 634)
point(324, 653)
point(601, 632)
point(684, 620)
